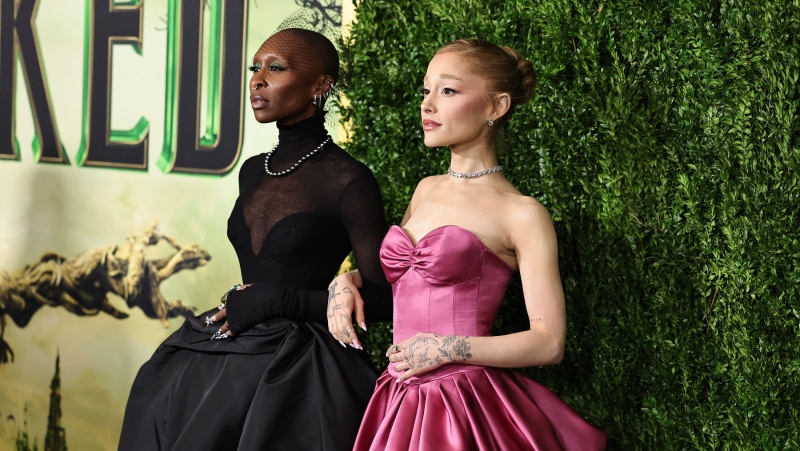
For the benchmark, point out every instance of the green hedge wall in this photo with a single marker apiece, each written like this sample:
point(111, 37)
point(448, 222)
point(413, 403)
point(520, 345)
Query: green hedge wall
point(665, 142)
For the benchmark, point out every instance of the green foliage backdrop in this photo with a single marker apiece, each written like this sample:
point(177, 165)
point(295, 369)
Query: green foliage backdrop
point(665, 142)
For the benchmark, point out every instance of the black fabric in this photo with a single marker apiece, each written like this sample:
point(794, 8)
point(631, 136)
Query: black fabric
point(284, 382)
point(260, 301)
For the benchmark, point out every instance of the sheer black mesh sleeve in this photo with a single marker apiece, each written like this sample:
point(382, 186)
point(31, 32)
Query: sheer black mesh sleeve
point(339, 207)
point(361, 211)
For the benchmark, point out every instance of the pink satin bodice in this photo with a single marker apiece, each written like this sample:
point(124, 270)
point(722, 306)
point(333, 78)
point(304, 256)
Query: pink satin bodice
point(448, 283)
point(451, 283)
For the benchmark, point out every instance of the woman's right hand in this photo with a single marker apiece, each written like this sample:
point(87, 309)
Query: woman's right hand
point(343, 300)
point(223, 331)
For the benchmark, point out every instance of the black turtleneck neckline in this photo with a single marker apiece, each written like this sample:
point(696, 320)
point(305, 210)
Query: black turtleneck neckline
point(298, 139)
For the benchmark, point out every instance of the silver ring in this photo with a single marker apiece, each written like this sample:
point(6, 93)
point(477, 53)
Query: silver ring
point(395, 348)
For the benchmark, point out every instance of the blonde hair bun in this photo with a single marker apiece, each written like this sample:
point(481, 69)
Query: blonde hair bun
point(527, 76)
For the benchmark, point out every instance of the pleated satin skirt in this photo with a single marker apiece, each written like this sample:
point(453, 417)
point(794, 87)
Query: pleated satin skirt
point(467, 407)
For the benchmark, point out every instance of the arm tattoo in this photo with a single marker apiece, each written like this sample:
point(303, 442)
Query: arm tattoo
point(424, 352)
point(446, 355)
point(455, 348)
point(462, 348)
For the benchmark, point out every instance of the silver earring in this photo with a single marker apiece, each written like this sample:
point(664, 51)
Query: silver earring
point(491, 122)
point(315, 100)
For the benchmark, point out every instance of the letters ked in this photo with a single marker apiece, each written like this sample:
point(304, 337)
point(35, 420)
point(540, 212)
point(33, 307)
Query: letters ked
point(186, 149)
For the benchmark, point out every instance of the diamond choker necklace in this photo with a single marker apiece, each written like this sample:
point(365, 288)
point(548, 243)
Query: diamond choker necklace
point(296, 165)
point(472, 175)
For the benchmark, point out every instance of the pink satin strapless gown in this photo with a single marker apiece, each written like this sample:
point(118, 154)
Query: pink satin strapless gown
point(451, 283)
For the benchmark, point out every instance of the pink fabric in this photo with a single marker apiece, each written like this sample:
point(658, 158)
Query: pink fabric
point(451, 283)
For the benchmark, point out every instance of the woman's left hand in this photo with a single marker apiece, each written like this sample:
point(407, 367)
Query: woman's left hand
point(427, 351)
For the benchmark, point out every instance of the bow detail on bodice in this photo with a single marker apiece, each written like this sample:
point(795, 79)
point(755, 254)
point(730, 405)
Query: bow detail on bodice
point(448, 283)
point(447, 255)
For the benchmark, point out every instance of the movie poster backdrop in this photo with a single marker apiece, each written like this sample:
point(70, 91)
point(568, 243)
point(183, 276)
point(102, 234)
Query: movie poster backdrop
point(122, 128)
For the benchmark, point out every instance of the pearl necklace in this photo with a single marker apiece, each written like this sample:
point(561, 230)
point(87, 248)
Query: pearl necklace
point(296, 165)
point(472, 175)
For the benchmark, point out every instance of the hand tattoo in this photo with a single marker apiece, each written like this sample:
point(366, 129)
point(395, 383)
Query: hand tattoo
point(417, 350)
point(331, 295)
point(332, 291)
point(423, 360)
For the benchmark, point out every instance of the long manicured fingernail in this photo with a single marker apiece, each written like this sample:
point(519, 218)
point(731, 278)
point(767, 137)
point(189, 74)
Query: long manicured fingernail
point(342, 343)
point(363, 325)
point(358, 345)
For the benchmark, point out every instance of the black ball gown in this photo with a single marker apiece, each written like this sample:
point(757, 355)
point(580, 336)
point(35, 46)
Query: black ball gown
point(282, 382)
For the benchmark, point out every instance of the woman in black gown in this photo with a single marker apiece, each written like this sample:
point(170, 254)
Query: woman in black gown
point(276, 379)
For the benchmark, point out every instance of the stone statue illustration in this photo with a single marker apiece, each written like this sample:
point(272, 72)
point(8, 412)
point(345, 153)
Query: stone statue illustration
point(81, 284)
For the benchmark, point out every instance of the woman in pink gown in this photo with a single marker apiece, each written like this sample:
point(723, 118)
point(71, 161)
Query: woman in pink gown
point(463, 236)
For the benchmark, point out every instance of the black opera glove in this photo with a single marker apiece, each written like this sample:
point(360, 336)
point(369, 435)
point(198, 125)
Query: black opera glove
point(258, 302)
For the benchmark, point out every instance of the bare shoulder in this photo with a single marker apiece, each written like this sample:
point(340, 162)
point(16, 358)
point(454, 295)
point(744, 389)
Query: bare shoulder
point(527, 209)
point(427, 184)
point(527, 219)
point(424, 187)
